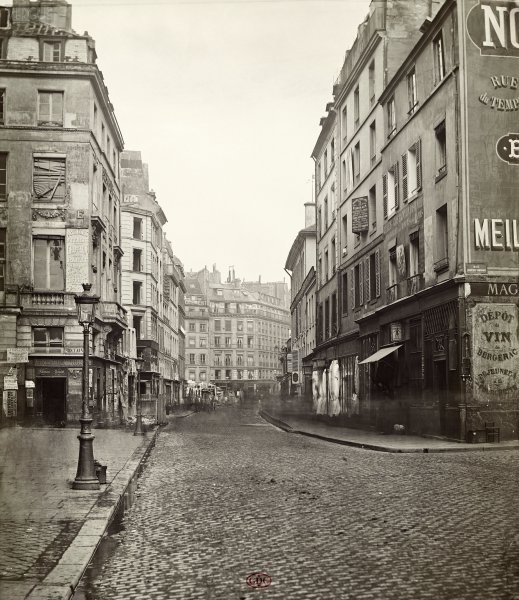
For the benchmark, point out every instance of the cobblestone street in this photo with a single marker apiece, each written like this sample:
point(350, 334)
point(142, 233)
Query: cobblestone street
point(224, 495)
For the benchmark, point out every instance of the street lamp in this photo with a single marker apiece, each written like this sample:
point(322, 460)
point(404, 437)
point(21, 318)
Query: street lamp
point(138, 418)
point(86, 478)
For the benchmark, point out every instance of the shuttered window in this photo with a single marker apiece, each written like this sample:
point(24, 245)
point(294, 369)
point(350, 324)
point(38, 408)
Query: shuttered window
point(49, 178)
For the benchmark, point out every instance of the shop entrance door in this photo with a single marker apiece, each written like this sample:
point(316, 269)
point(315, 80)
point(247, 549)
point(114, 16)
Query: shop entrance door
point(53, 399)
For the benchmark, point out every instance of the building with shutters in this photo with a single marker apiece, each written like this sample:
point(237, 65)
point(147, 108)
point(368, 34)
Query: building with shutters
point(300, 264)
point(429, 291)
point(59, 215)
point(152, 289)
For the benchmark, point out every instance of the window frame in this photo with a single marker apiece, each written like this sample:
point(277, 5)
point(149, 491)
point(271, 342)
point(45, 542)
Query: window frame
point(50, 122)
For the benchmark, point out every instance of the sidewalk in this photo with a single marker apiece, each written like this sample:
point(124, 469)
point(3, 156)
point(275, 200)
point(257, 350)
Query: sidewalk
point(49, 532)
point(290, 421)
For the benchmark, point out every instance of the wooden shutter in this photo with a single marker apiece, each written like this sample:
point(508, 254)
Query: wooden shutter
point(404, 177)
point(367, 278)
point(352, 277)
point(384, 193)
point(377, 273)
point(361, 282)
point(396, 185)
point(419, 164)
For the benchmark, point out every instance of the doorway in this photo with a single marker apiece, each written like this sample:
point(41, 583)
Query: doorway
point(53, 399)
point(440, 391)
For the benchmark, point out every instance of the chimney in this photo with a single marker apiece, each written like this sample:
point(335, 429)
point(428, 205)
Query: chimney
point(309, 214)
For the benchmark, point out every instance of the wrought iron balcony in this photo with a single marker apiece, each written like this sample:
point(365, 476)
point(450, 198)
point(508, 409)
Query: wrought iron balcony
point(415, 284)
point(392, 293)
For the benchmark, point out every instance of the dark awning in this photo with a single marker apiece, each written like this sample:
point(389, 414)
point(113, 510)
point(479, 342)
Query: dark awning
point(379, 354)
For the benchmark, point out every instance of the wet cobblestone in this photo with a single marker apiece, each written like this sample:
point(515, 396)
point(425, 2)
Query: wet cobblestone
point(224, 496)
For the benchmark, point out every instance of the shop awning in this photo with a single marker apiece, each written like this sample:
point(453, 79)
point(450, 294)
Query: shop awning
point(379, 354)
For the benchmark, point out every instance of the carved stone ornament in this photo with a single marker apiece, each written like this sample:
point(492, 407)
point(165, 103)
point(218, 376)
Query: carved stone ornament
point(58, 213)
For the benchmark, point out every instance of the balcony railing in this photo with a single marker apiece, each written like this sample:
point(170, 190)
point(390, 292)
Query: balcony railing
point(111, 311)
point(415, 284)
point(392, 293)
point(47, 299)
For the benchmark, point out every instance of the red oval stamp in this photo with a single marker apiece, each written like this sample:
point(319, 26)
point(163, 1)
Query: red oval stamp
point(258, 580)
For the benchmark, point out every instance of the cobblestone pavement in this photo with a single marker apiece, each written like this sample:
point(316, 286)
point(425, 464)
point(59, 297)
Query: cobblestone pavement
point(225, 495)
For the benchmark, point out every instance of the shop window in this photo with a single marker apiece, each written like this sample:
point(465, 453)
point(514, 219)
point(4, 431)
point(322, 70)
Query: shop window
point(49, 263)
point(48, 339)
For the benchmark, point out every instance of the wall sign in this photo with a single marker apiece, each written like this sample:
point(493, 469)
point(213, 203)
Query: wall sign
point(507, 148)
point(505, 290)
point(495, 350)
point(476, 268)
point(359, 214)
point(496, 234)
point(17, 355)
point(493, 27)
point(77, 263)
point(396, 332)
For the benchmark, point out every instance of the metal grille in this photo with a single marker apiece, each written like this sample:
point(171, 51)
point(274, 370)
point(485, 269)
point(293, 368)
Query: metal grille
point(440, 318)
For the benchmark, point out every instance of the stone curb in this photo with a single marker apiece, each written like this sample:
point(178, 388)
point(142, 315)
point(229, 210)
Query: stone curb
point(61, 582)
point(378, 447)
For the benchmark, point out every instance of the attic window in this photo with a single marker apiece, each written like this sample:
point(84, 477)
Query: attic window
point(4, 17)
point(51, 51)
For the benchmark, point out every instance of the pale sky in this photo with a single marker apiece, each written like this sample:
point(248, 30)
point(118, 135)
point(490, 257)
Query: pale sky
point(223, 99)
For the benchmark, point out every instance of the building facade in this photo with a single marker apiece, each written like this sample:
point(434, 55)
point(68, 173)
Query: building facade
point(301, 263)
point(429, 247)
point(59, 217)
point(151, 287)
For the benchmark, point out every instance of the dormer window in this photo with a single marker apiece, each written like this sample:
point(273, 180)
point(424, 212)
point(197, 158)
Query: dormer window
point(51, 51)
point(4, 18)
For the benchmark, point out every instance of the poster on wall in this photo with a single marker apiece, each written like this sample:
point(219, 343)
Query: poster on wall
point(495, 352)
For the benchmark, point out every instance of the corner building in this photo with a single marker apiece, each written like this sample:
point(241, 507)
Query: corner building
point(59, 215)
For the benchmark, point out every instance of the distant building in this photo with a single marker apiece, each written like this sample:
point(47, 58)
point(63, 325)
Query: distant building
point(301, 264)
point(152, 282)
point(234, 335)
point(59, 216)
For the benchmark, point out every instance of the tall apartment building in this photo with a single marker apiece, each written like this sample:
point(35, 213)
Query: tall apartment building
point(151, 288)
point(234, 335)
point(59, 215)
point(429, 291)
point(301, 264)
point(348, 192)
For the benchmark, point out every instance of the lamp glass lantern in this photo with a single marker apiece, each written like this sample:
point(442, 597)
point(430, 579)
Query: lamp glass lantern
point(86, 304)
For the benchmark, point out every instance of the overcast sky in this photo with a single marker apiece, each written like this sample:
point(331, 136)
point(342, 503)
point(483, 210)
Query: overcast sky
point(223, 98)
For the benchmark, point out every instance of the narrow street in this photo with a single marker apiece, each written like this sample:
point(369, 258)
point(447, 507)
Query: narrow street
point(225, 495)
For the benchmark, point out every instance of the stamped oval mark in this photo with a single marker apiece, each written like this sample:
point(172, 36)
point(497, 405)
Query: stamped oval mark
point(258, 580)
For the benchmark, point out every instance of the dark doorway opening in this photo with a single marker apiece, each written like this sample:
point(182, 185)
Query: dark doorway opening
point(53, 399)
point(440, 390)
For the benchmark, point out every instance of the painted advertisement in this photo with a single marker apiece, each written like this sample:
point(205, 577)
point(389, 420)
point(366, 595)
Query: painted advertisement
point(491, 54)
point(495, 351)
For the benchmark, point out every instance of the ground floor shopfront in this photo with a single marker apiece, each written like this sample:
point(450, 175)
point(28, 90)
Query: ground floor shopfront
point(443, 362)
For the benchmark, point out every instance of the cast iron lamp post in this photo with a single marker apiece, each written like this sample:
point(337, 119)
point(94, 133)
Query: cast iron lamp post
point(86, 478)
point(138, 418)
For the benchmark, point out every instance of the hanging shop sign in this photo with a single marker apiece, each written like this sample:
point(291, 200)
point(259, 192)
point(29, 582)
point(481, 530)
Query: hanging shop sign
point(495, 349)
point(396, 332)
point(359, 214)
point(10, 382)
point(17, 355)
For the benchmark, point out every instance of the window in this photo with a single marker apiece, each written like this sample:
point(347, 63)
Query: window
point(439, 59)
point(390, 191)
point(49, 263)
point(217, 341)
point(3, 176)
point(137, 228)
point(411, 91)
point(228, 325)
point(320, 222)
point(227, 342)
point(203, 342)
point(2, 259)
point(47, 339)
point(217, 325)
point(250, 325)
point(373, 142)
point(4, 18)
point(344, 293)
point(227, 360)
point(137, 292)
point(203, 327)
point(239, 326)
point(217, 374)
point(371, 83)
point(333, 252)
point(356, 163)
point(51, 51)
point(192, 375)
point(391, 118)
point(50, 108)
point(202, 359)
point(137, 260)
point(203, 375)
point(192, 359)
point(250, 342)
point(217, 359)
point(356, 108)
point(49, 178)
point(442, 239)
point(358, 285)
point(372, 207)
point(2, 106)
point(239, 360)
point(325, 214)
point(332, 152)
point(250, 360)
point(441, 149)
point(373, 280)
point(326, 266)
point(412, 170)
point(393, 275)
point(239, 342)
point(344, 123)
point(227, 373)
point(414, 250)
point(192, 326)
point(344, 234)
